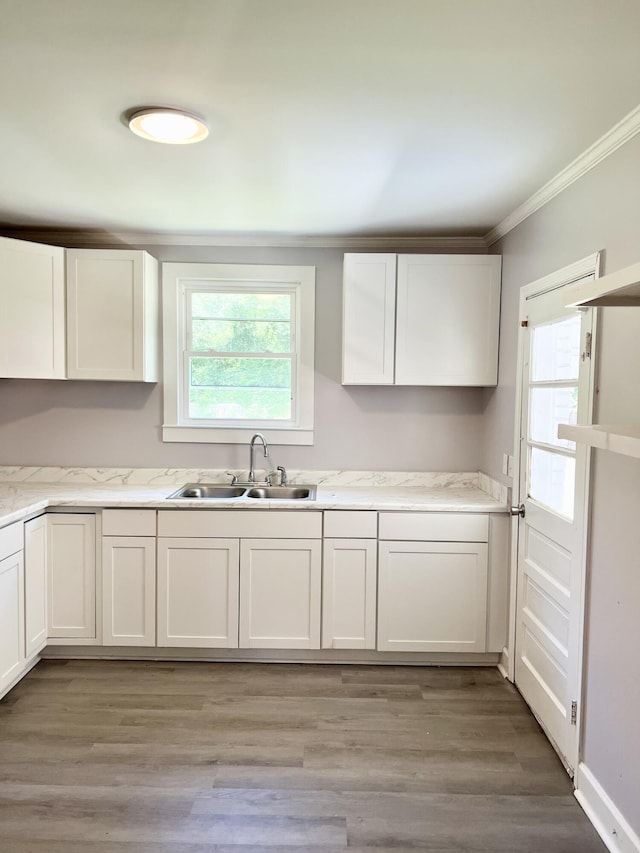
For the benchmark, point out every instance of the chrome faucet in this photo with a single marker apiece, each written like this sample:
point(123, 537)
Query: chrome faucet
point(252, 473)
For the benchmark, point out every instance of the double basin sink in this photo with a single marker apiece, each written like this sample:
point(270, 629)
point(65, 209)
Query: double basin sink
point(221, 492)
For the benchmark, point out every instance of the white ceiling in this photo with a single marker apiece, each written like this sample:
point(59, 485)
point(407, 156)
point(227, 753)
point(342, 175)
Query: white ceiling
point(327, 117)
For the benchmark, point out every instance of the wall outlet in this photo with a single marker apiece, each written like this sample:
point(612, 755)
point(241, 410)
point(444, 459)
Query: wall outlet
point(510, 466)
point(507, 465)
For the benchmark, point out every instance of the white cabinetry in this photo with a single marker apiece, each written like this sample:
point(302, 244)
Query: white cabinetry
point(349, 574)
point(432, 582)
point(280, 583)
point(32, 323)
point(112, 315)
point(35, 585)
point(12, 654)
point(368, 319)
point(71, 581)
point(435, 324)
point(129, 577)
point(239, 577)
point(198, 592)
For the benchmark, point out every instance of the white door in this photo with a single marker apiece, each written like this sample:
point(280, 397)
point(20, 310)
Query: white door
point(129, 590)
point(11, 619)
point(198, 592)
point(553, 483)
point(349, 594)
point(35, 585)
point(280, 598)
point(71, 581)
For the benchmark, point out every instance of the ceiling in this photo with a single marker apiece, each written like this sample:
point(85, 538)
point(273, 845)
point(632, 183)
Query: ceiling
point(327, 117)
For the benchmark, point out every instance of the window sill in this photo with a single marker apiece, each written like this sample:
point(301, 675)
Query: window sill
point(240, 435)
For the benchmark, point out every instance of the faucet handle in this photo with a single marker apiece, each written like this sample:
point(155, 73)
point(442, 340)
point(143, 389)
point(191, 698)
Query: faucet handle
point(234, 477)
point(283, 475)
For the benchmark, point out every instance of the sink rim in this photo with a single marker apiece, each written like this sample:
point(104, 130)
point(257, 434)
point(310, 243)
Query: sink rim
point(226, 492)
point(237, 493)
point(283, 492)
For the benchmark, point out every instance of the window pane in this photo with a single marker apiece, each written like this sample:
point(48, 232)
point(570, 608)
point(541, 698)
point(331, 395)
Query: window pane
point(549, 407)
point(240, 306)
point(240, 336)
point(240, 388)
point(552, 480)
point(555, 350)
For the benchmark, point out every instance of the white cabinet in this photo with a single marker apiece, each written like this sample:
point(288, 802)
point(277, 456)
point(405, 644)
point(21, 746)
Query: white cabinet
point(349, 579)
point(12, 654)
point(129, 577)
point(32, 322)
point(280, 602)
point(35, 585)
point(368, 319)
point(71, 580)
point(112, 315)
point(436, 324)
point(432, 589)
point(198, 581)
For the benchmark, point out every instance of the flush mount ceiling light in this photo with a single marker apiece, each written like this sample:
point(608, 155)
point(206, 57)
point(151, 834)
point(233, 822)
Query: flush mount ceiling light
point(163, 124)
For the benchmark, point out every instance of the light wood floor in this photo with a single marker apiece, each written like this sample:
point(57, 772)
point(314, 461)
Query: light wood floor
point(113, 757)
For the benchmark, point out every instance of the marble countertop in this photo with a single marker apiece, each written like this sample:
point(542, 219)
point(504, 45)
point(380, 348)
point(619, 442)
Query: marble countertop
point(21, 496)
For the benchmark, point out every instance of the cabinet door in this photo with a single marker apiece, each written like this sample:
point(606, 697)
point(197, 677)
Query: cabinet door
point(11, 619)
point(432, 596)
point(280, 602)
point(71, 581)
point(129, 591)
point(349, 594)
point(447, 320)
point(32, 338)
point(198, 592)
point(368, 319)
point(112, 315)
point(35, 585)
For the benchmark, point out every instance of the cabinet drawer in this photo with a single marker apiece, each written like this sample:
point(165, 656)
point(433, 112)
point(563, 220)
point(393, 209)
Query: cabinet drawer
point(434, 526)
point(11, 540)
point(128, 522)
point(240, 523)
point(351, 524)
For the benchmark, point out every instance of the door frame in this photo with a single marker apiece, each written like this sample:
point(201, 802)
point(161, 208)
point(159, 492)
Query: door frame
point(561, 278)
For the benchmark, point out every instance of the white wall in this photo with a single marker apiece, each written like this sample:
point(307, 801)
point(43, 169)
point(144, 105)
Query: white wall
point(600, 211)
point(118, 424)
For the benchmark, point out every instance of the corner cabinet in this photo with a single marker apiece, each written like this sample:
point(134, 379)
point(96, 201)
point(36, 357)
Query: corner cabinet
point(112, 315)
point(421, 319)
point(32, 326)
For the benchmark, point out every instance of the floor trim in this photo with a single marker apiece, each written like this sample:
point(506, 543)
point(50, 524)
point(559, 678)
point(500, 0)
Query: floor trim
point(604, 814)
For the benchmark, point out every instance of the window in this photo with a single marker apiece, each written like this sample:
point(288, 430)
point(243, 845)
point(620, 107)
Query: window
point(238, 352)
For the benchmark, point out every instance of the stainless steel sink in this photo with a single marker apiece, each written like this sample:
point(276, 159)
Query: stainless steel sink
point(285, 493)
point(209, 491)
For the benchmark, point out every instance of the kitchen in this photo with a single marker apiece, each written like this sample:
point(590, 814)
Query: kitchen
point(73, 424)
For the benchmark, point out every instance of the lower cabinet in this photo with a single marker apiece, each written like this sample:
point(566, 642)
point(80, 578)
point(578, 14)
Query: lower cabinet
point(71, 581)
point(35, 585)
point(129, 590)
point(12, 653)
point(432, 596)
point(280, 582)
point(349, 594)
point(198, 581)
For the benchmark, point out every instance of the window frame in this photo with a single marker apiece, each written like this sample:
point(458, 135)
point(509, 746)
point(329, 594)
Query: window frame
point(180, 278)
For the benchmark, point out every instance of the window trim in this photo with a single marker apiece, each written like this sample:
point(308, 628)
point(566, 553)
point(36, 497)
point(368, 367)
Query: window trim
point(176, 277)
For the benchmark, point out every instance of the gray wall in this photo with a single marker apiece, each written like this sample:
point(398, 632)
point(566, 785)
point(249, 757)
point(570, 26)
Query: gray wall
point(600, 211)
point(119, 425)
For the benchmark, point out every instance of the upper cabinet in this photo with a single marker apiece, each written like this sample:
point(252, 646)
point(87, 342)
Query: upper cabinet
point(32, 342)
point(112, 315)
point(421, 319)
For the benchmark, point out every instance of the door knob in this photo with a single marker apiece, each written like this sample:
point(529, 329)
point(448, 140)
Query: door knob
point(518, 510)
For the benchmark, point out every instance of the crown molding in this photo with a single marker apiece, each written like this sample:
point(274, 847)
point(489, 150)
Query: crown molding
point(596, 153)
point(119, 239)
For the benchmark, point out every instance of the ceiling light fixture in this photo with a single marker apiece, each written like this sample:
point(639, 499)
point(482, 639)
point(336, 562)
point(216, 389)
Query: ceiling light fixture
point(171, 126)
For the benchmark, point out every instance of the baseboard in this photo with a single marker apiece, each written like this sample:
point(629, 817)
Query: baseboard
point(503, 663)
point(604, 814)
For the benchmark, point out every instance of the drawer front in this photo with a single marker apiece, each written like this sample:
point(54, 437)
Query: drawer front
point(128, 522)
point(351, 524)
point(434, 526)
point(241, 523)
point(11, 540)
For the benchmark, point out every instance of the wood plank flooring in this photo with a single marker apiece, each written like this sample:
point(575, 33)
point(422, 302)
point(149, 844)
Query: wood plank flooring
point(122, 757)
